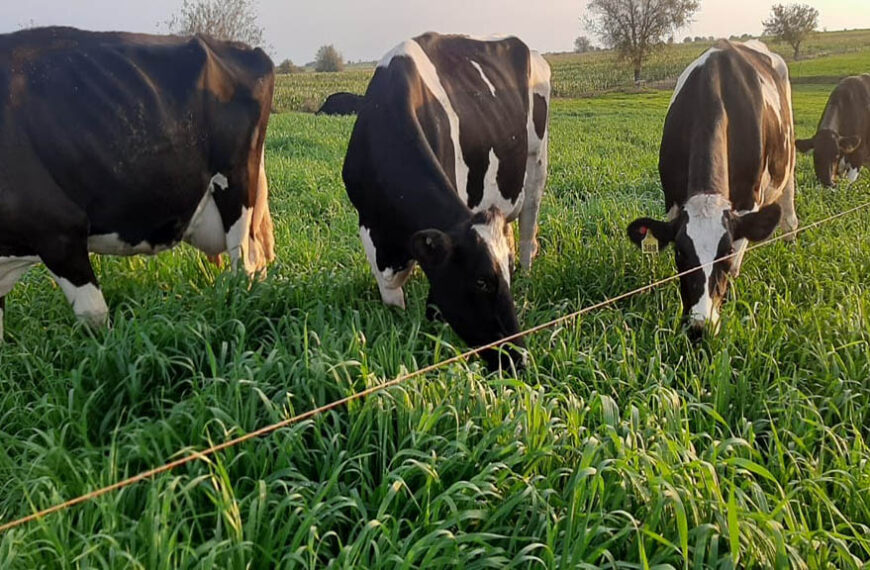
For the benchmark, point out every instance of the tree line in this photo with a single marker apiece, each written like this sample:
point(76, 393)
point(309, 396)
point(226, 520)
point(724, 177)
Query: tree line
point(633, 28)
point(637, 28)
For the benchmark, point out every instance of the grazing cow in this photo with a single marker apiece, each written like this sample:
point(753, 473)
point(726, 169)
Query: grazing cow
point(727, 164)
point(342, 103)
point(451, 147)
point(123, 144)
point(841, 145)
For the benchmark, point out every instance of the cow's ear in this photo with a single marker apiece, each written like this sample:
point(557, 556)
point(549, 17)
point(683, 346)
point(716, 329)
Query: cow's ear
point(848, 145)
point(641, 228)
point(756, 226)
point(431, 247)
point(805, 145)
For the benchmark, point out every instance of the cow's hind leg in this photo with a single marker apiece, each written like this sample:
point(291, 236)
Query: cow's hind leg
point(390, 279)
point(536, 178)
point(66, 257)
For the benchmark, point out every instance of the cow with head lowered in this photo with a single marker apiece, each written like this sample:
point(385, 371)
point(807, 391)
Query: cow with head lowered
point(450, 148)
point(841, 145)
point(124, 144)
point(726, 163)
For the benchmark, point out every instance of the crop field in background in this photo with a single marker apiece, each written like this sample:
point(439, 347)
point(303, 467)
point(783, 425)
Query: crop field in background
point(831, 56)
point(621, 446)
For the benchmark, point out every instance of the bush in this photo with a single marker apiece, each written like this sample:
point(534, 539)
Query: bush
point(328, 59)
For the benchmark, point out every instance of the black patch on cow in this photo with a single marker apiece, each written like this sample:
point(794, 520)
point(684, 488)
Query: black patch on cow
point(539, 115)
point(341, 103)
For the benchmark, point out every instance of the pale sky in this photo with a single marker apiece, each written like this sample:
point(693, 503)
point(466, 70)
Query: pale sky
point(366, 29)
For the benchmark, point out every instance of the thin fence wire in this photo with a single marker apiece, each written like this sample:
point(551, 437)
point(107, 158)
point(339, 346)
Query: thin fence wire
point(204, 454)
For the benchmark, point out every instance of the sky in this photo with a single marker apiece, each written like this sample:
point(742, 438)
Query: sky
point(366, 29)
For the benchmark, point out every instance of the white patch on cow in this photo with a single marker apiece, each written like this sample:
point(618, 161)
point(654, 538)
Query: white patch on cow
point(237, 240)
point(389, 282)
point(87, 302)
point(674, 213)
point(681, 82)
point(205, 231)
point(218, 182)
point(484, 77)
point(493, 235)
point(705, 228)
point(492, 196)
point(851, 172)
point(770, 94)
point(429, 75)
point(112, 244)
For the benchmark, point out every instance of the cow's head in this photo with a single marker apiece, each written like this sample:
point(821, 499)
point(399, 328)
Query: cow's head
point(830, 152)
point(703, 230)
point(469, 281)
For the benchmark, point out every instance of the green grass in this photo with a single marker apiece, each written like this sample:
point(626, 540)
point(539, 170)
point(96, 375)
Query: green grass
point(620, 447)
point(830, 56)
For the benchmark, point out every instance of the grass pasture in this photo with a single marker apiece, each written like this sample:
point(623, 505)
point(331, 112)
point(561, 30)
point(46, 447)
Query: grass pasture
point(621, 446)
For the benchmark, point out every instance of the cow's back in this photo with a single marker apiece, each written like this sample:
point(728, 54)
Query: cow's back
point(729, 120)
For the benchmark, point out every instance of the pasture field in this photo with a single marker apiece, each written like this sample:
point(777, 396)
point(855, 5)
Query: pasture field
point(621, 446)
point(830, 56)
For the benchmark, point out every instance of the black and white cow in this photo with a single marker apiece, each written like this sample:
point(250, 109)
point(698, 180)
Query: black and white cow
point(450, 147)
point(341, 103)
point(726, 163)
point(841, 145)
point(124, 144)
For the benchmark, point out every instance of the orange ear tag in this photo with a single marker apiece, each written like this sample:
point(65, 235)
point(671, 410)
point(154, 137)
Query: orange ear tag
point(650, 245)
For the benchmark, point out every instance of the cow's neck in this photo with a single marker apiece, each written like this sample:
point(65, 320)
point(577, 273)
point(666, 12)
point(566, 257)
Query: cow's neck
point(416, 178)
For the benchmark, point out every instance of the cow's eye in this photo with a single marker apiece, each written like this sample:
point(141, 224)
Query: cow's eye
point(485, 285)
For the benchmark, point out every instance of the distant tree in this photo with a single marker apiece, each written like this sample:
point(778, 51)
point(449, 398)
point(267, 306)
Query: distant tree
point(687, 40)
point(287, 66)
point(582, 45)
point(232, 20)
point(792, 24)
point(328, 59)
point(635, 28)
point(699, 39)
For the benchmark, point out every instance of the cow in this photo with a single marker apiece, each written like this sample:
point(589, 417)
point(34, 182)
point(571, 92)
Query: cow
point(124, 144)
point(841, 145)
point(449, 149)
point(341, 103)
point(727, 167)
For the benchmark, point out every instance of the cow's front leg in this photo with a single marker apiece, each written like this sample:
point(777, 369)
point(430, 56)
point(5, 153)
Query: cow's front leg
point(67, 259)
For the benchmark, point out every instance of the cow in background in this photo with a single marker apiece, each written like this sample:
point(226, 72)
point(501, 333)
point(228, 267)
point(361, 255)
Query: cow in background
point(841, 145)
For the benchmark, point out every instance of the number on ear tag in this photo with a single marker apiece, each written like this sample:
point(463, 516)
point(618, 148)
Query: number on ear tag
point(650, 245)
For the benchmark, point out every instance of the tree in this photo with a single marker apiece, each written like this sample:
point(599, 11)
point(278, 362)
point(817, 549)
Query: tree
point(635, 28)
point(328, 59)
point(582, 45)
point(792, 24)
point(231, 20)
point(287, 66)
point(687, 40)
